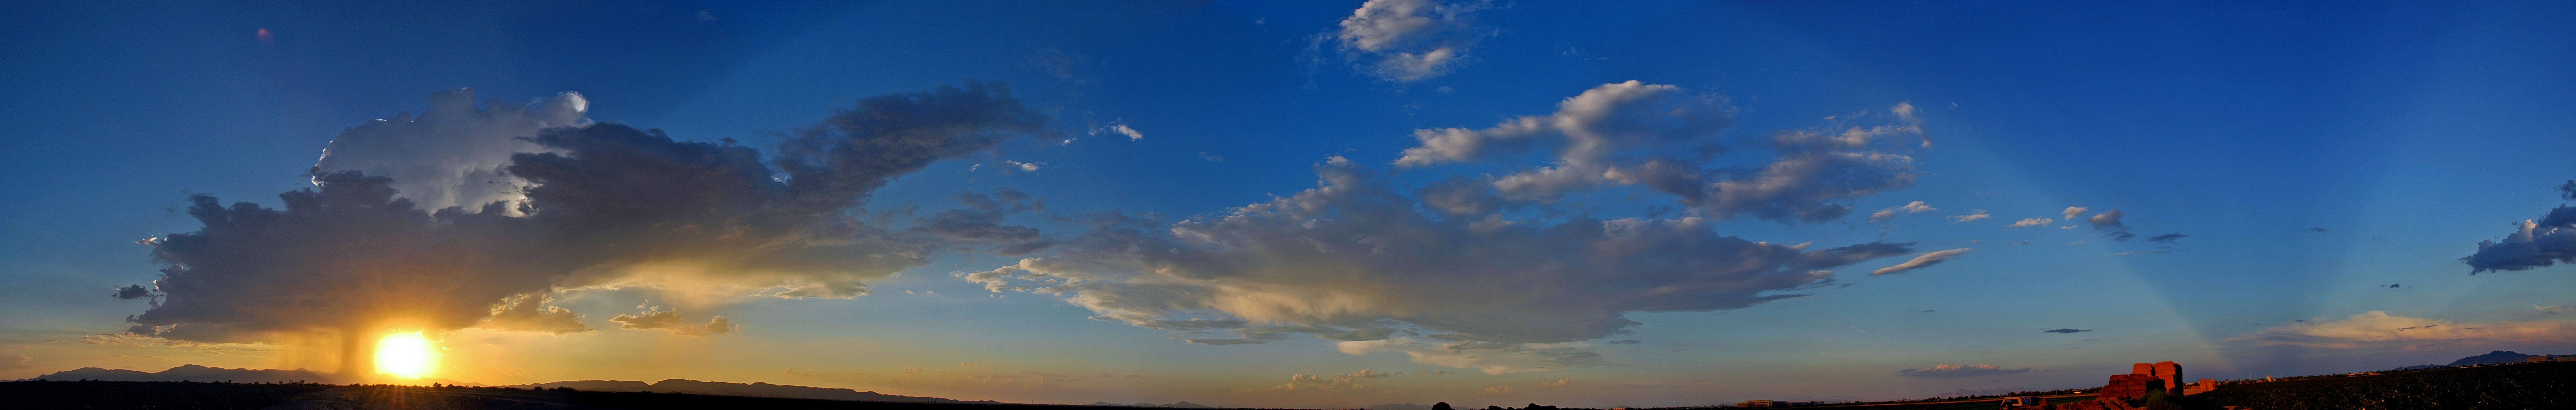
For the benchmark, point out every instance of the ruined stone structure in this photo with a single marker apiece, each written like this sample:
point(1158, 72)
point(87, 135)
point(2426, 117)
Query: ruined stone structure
point(2143, 376)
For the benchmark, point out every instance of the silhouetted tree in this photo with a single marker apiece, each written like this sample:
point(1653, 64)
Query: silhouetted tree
point(1440, 406)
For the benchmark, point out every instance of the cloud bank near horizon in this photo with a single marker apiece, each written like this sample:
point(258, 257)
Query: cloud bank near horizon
point(588, 205)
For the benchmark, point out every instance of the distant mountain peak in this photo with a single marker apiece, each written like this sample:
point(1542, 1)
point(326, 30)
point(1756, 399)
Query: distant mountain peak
point(2494, 357)
point(192, 372)
point(755, 389)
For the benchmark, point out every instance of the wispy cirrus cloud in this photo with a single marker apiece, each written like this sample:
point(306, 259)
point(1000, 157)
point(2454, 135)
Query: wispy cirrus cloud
point(1954, 371)
point(2379, 328)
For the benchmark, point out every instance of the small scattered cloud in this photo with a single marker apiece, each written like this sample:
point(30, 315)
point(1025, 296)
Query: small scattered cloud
point(2027, 222)
point(2316, 229)
point(1022, 166)
point(1926, 260)
point(14, 362)
point(132, 292)
point(1411, 40)
point(531, 313)
point(1891, 212)
point(2067, 330)
point(2072, 212)
point(2549, 309)
point(1347, 381)
point(704, 15)
point(2167, 239)
point(1205, 156)
point(2018, 243)
point(2392, 286)
point(671, 320)
point(1971, 216)
point(2108, 222)
point(1068, 65)
point(1119, 127)
point(1954, 371)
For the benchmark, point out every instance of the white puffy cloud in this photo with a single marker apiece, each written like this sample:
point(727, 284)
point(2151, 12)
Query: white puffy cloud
point(1411, 40)
point(1662, 137)
point(1926, 260)
point(2025, 222)
point(2378, 328)
point(1912, 207)
point(531, 313)
point(2072, 212)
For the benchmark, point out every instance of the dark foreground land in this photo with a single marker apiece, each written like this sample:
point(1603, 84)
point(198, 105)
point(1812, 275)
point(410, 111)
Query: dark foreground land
point(233, 396)
point(2515, 386)
point(2550, 385)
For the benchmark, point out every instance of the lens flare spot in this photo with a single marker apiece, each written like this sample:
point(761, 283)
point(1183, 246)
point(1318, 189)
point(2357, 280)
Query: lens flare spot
point(406, 355)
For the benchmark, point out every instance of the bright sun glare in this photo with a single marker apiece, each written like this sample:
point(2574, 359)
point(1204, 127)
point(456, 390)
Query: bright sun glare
point(405, 354)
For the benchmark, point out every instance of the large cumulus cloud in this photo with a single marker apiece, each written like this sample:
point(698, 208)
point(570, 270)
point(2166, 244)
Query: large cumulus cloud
point(598, 205)
point(1353, 255)
point(452, 153)
point(2540, 242)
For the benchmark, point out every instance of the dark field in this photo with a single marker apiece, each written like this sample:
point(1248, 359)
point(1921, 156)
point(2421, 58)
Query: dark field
point(226, 396)
point(2517, 386)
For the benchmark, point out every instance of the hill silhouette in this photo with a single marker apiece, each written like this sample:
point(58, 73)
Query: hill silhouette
point(744, 389)
point(193, 373)
point(2496, 357)
point(1180, 405)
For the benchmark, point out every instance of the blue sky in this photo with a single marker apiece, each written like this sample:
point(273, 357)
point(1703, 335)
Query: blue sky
point(2312, 154)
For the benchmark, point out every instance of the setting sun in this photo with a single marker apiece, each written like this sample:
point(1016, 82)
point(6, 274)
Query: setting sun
point(405, 354)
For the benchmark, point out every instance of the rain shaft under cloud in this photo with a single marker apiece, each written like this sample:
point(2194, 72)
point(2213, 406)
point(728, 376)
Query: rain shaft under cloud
point(603, 205)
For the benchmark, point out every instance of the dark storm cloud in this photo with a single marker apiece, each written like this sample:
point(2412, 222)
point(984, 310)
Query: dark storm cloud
point(981, 221)
point(132, 292)
point(2543, 242)
point(603, 204)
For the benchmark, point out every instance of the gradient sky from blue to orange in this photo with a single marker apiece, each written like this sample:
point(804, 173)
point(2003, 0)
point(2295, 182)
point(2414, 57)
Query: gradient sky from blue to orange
point(2404, 132)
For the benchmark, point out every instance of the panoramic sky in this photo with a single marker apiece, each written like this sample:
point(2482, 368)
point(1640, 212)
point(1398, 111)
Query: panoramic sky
point(1289, 204)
